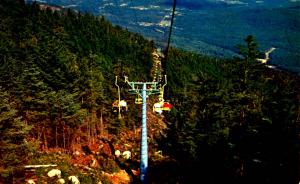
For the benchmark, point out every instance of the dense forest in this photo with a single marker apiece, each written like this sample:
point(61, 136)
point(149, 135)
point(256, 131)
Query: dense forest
point(234, 120)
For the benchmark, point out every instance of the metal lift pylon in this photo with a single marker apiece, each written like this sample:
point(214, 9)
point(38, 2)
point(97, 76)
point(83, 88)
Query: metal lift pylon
point(144, 89)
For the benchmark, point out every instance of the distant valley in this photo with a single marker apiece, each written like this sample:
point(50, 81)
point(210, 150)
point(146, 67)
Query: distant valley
point(212, 27)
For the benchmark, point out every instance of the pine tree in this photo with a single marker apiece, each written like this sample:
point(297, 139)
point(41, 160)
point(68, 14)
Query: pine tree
point(14, 147)
point(250, 52)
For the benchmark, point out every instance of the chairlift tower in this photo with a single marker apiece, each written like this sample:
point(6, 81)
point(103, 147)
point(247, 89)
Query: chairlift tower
point(143, 89)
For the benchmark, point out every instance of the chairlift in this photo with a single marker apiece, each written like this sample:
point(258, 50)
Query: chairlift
point(138, 100)
point(158, 108)
point(161, 106)
point(167, 106)
point(122, 104)
point(115, 106)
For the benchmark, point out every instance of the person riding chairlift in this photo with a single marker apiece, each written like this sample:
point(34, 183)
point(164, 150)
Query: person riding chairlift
point(123, 106)
point(167, 106)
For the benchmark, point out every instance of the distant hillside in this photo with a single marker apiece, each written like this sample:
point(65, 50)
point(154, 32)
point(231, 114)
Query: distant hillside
point(220, 31)
point(209, 27)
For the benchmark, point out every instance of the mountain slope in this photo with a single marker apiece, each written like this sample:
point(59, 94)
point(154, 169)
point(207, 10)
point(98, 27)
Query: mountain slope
point(209, 27)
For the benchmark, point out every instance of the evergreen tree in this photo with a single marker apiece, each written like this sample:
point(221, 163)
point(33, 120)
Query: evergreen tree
point(250, 50)
point(15, 149)
point(250, 53)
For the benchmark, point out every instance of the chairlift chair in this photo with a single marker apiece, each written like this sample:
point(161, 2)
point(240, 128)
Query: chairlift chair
point(138, 100)
point(115, 106)
point(158, 107)
point(123, 106)
point(167, 106)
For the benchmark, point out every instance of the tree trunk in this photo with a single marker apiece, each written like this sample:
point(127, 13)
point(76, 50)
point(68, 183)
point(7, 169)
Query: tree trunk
point(134, 129)
point(64, 137)
point(101, 123)
point(45, 141)
point(92, 126)
point(88, 131)
point(40, 133)
point(69, 137)
point(56, 143)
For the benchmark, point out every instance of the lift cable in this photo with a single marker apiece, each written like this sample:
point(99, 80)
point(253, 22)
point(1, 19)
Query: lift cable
point(170, 33)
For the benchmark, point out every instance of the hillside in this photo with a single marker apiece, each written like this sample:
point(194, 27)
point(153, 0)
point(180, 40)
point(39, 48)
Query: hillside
point(234, 120)
point(210, 27)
